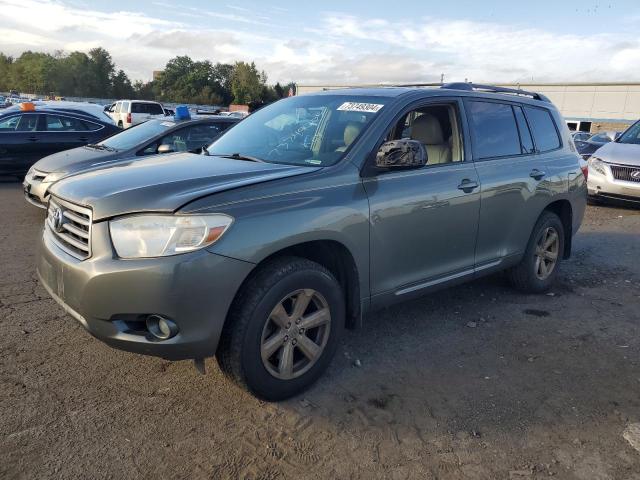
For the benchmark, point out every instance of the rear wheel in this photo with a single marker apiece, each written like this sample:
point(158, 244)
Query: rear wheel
point(120, 124)
point(284, 327)
point(538, 269)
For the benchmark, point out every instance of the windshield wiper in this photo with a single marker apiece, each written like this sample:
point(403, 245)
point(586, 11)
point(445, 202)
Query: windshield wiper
point(238, 156)
point(99, 146)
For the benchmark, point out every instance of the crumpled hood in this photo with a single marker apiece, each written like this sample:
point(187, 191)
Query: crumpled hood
point(621, 153)
point(73, 160)
point(163, 183)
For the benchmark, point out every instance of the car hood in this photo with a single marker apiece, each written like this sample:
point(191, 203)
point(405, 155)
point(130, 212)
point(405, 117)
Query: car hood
point(164, 183)
point(70, 161)
point(622, 153)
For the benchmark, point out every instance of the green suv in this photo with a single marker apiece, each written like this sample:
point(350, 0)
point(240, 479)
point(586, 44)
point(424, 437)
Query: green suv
point(306, 216)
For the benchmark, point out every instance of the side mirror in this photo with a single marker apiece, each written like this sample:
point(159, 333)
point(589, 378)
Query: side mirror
point(402, 153)
point(165, 148)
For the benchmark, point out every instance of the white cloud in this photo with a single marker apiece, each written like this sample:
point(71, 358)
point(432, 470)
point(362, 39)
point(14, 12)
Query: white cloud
point(337, 49)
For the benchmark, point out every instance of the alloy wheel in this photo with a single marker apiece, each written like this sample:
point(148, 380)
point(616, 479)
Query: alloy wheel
point(546, 253)
point(295, 334)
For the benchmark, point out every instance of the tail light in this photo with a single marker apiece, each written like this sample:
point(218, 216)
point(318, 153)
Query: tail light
point(128, 118)
point(585, 171)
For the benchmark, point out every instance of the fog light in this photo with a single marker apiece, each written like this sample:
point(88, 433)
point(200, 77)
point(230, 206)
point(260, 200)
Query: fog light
point(160, 327)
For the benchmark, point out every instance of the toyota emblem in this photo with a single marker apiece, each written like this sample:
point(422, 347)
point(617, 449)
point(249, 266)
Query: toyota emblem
point(56, 218)
point(635, 174)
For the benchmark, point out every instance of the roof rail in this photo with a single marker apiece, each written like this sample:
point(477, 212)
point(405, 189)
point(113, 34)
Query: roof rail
point(493, 89)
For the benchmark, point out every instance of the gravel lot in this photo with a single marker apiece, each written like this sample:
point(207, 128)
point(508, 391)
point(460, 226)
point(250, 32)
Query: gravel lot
point(473, 382)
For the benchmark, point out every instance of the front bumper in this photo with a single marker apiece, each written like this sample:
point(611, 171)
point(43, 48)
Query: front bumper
point(36, 192)
point(607, 186)
point(111, 297)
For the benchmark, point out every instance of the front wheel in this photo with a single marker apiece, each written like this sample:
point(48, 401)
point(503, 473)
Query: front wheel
point(283, 329)
point(538, 268)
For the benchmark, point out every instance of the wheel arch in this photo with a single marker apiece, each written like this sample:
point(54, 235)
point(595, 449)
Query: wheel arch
point(335, 257)
point(563, 209)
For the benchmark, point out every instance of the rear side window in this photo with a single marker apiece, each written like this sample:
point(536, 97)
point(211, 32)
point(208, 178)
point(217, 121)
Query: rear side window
point(90, 126)
point(59, 123)
point(544, 129)
point(495, 133)
point(148, 108)
point(525, 133)
point(125, 107)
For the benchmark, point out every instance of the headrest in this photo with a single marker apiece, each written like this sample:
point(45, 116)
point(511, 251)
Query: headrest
point(427, 129)
point(351, 131)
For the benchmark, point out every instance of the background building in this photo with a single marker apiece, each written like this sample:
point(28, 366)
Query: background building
point(591, 107)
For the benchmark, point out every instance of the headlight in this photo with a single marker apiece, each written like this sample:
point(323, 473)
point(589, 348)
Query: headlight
point(53, 177)
point(144, 236)
point(597, 165)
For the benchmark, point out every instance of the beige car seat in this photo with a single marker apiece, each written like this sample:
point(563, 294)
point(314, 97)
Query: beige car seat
point(351, 131)
point(427, 130)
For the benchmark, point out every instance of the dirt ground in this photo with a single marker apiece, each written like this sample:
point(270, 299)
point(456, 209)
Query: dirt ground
point(474, 382)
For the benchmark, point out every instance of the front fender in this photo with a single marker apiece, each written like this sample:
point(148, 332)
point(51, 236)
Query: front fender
point(266, 226)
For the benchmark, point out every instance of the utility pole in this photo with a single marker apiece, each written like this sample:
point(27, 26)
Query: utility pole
point(442, 78)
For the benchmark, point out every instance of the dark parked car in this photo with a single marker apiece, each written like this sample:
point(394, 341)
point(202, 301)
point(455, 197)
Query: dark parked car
point(28, 135)
point(148, 138)
point(593, 143)
point(308, 214)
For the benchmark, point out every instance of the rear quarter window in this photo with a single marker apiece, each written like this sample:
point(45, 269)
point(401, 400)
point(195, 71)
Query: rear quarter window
point(147, 108)
point(495, 133)
point(544, 130)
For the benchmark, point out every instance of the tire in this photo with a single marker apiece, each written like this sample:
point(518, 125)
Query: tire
point(256, 323)
point(120, 124)
point(526, 276)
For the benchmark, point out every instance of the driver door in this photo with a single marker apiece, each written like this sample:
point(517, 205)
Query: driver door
point(424, 221)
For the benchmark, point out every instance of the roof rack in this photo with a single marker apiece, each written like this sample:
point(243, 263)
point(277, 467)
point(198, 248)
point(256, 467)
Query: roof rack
point(490, 88)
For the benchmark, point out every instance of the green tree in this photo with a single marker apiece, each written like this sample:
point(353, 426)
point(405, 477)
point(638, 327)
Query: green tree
point(222, 76)
point(121, 86)
point(94, 74)
point(143, 91)
point(247, 83)
point(102, 73)
point(31, 72)
point(6, 64)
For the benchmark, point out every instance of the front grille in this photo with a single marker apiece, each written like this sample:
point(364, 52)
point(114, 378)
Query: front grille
point(628, 174)
point(70, 225)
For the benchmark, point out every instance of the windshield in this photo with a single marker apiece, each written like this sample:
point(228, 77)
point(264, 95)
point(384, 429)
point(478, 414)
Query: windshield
point(631, 135)
point(134, 136)
point(305, 130)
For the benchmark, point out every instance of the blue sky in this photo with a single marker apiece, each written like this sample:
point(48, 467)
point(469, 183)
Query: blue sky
point(339, 42)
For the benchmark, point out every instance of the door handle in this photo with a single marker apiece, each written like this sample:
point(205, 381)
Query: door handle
point(537, 174)
point(83, 139)
point(33, 139)
point(467, 186)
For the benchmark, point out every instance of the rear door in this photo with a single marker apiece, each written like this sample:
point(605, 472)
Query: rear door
point(515, 187)
point(20, 143)
point(424, 221)
point(63, 132)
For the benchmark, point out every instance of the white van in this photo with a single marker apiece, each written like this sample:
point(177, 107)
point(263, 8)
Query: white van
point(126, 113)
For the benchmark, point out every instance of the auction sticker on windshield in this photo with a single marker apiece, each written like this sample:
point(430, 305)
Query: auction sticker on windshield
point(360, 107)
